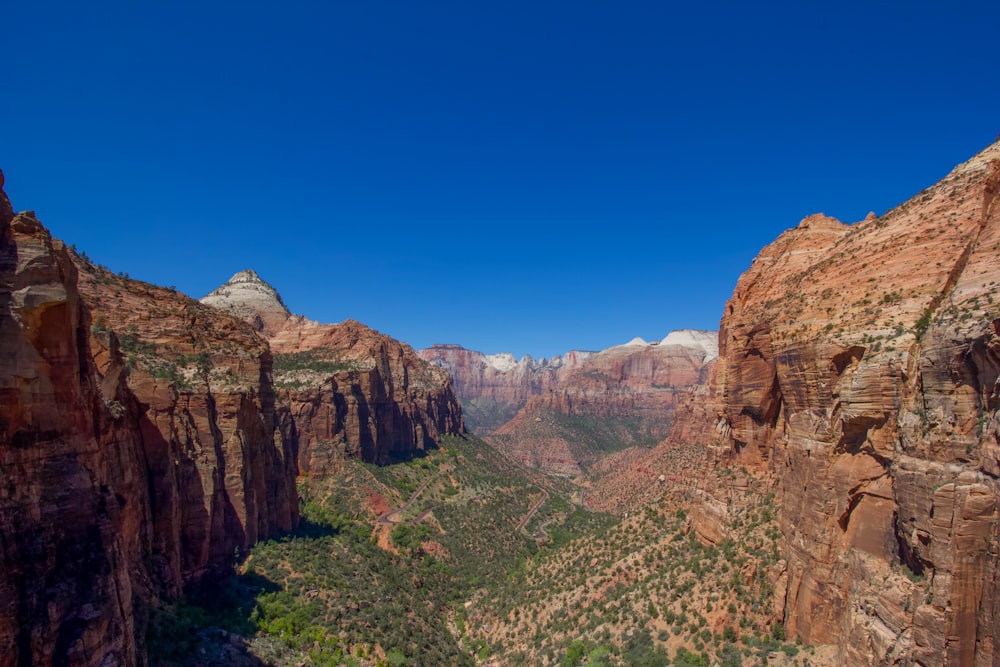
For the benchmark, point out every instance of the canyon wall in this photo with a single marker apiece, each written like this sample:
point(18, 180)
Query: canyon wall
point(73, 512)
point(138, 448)
point(493, 387)
point(858, 371)
point(221, 474)
point(620, 397)
point(354, 392)
point(350, 390)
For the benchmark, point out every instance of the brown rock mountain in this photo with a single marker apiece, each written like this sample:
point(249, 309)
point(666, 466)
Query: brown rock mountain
point(120, 487)
point(376, 399)
point(858, 371)
point(222, 474)
point(493, 387)
point(144, 443)
point(625, 395)
point(352, 391)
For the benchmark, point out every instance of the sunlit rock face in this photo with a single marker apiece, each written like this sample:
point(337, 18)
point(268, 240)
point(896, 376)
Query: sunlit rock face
point(625, 395)
point(858, 366)
point(347, 390)
point(249, 297)
point(493, 387)
point(355, 392)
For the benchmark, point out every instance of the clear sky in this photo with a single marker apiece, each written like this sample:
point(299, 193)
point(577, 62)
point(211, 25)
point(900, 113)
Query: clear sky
point(512, 176)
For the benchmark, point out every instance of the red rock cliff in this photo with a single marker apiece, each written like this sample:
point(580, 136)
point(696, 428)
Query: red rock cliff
point(623, 395)
point(72, 511)
point(493, 387)
point(114, 496)
point(356, 392)
point(221, 475)
point(858, 365)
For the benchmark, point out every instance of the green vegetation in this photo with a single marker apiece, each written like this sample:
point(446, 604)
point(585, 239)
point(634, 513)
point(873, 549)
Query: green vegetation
point(422, 563)
point(921, 326)
point(318, 361)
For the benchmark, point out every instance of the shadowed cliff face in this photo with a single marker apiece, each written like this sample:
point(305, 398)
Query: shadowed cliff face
point(221, 475)
point(858, 366)
point(72, 500)
point(353, 391)
point(127, 472)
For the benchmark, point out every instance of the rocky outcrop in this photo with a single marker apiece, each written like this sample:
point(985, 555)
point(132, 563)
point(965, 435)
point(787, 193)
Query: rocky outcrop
point(625, 395)
point(493, 387)
point(130, 469)
point(858, 368)
point(72, 503)
point(247, 296)
point(350, 391)
point(355, 392)
point(221, 473)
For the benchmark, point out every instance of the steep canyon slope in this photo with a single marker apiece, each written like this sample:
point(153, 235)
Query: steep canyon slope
point(493, 387)
point(147, 439)
point(351, 390)
point(858, 371)
point(623, 396)
point(120, 487)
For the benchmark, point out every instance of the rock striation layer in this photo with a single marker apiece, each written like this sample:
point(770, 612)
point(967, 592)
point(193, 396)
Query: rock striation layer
point(72, 500)
point(350, 390)
point(355, 392)
point(130, 469)
point(493, 387)
point(221, 473)
point(858, 368)
point(625, 395)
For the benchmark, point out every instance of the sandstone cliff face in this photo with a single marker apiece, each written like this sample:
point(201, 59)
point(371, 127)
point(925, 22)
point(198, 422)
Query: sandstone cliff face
point(858, 367)
point(494, 387)
point(353, 391)
point(621, 396)
point(128, 472)
point(221, 474)
point(71, 507)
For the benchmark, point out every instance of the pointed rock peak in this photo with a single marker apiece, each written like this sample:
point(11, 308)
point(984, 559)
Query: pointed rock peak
point(251, 298)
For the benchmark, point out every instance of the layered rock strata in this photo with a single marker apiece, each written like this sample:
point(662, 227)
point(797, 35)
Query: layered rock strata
point(221, 471)
point(130, 469)
point(625, 395)
point(493, 387)
point(250, 298)
point(355, 392)
point(73, 514)
point(350, 390)
point(858, 367)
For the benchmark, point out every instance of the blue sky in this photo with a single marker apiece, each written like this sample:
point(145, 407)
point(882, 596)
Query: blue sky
point(519, 176)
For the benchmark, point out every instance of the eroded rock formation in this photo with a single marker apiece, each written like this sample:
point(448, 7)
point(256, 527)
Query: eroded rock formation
point(493, 387)
point(72, 510)
point(222, 476)
point(250, 298)
point(130, 470)
point(353, 391)
point(625, 395)
point(858, 368)
point(350, 390)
